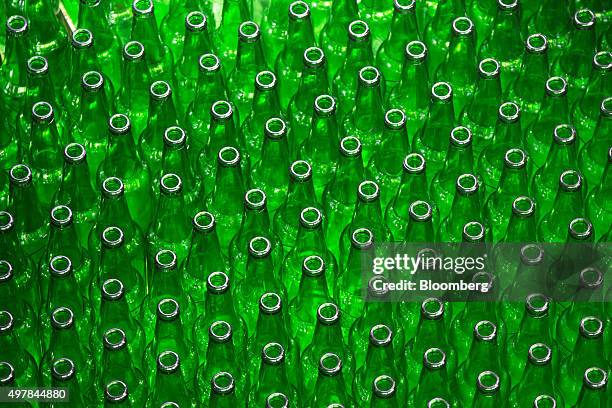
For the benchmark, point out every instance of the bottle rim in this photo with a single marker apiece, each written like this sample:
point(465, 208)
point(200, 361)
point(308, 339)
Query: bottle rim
point(260, 247)
point(265, 80)
point(6, 271)
point(384, 386)
point(223, 383)
point(368, 191)
point(584, 19)
point(548, 400)
point(438, 402)
point(142, 8)
point(119, 124)
point(114, 339)
point(461, 136)
point(196, 21)
point(602, 61)
point(328, 314)
point(369, 77)
point(213, 285)
point(7, 221)
point(299, 10)
point(313, 266)
point(485, 330)
point(116, 391)
point(74, 153)
point(420, 211)
point(599, 381)
point(171, 184)
point(564, 134)
point(473, 231)
point(591, 327)
point(404, 6)
point(20, 175)
point(255, 199)
point(509, 112)
point(395, 119)
point(416, 51)
point(536, 44)
point(276, 398)
point(442, 92)
point(463, 26)
point(377, 291)
point(484, 277)
point(82, 38)
point(220, 331)
point(463, 187)
point(489, 68)
point(275, 129)
point(209, 63)
point(515, 159)
point(221, 110)
point(17, 25)
point(273, 354)
point(228, 156)
point(112, 187)
point(9, 321)
point(63, 369)
point(62, 318)
point(556, 86)
point(434, 358)
point(537, 304)
point(300, 171)
point(112, 237)
point(204, 221)
point(168, 362)
point(414, 163)
point(133, 50)
point(520, 210)
point(42, 112)
point(508, 5)
point(362, 239)
point(160, 90)
point(330, 364)
point(591, 278)
point(249, 32)
point(429, 313)
point(484, 384)
point(325, 105)
point(532, 254)
point(314, 57)
point(60, 266)
point(38, 65)
point(165, 260)
point(535, 354)
point(358, 31)
point(168, 309)
point(270, 303)
point(580, 228)
point(174, 137)
point(381, 335)
point(112, 289)
point(570, 180)
point(9, 378)
point(311, 218)
point(350, 146)
point(61, 216)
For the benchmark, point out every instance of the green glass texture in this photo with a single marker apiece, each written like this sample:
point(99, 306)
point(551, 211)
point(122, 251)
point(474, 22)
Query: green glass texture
point(437, 33)
point(433, 385)
point(234, 12)
point(24, 369)
point(598, 207)
point(333, 35)
point(170, 383)
point(330, 387)
point(553, 19)
point(13, 69)
point(222, 393)
point(592, 161)
point(274, 23)
point(186, 19)
point(594, 389)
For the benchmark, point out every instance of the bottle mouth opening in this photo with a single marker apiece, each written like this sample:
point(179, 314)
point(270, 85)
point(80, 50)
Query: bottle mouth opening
point(311, 218)
point(313, 266)
point(249, 32)
point(223, 383)
point(362, 238)
point(350, 146)
point(112, 289)
point(325, 105)
point(270, 303)
point(485, 330)
point(488, 382)
point(82, 38)
point(42, 112)
point(606, 107)
point(581, 228)
point(20, 174)
point(515, 159)
point(275, 128)
point(523, 207)
point(196, 21)
point(467, 184)
point(595, 378)
point(434, 358)
point(486, 278)
point(119, 124)
point(171, 184)
point(114, 339)
point(209, 63)
point(299, 10)
point(260, 247)
point(116, 391)
point(591, 278)
point(420, 211)
point(414, 163)
point(300, 171)
point(330, 364)
point(432, 308)
point(217, 282)
point(168, 309)
point(112, 187)
point(174, 136)
point(165, 259)
point(63, 369)
point(7, 222)
point(328, 314)
point(539, 354)
point(6, 271)
point(532, 254)
point(473, 231)
point(7, 373)
point(92, 81)
point(38, 65)
point(359, 31)
point(255, 199)
point(265, 80)
point(395, 119)
point(168, 362)
point(438, 403)
point(280, 400)
point(461, 136)
point(314, 57)
point(368, 191)
point(556, 86)
point(384, 386)
point(564, 134)
point(463, 26)
point(416, 51)
point(603, 61)
point(369, 76)
point(133, 50)
point(544, 401)
point(570, 180)
point(404, 6)
point(142, 7)
point(442, 91)
point(16, 25)
point(222, 110)
point(112, 237)
point(507, 5)
point(74, 153)
point(61, 216)
point(591, 327)
point(62, 318)
point(60, 265)
point(584, 19)
point(537, 43)
point(489, 68)
point(273, 353)
point(381, 335)
point(228, 157)
point(509, 112)
point(160, 90)
point(537, 304)
point(6, 321)
point(220, 331)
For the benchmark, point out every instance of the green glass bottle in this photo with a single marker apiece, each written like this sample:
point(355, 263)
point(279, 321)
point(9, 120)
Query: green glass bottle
point(63, 374)
point(222, 394)
point(16, 359)
point(437, 34)
point(504, 41)
point(554, 110)
point(403, 29)
point(460, 64)
point(162, 114)
point(594, 389)
point(485, 354)
point(133, 93)
point(204, 257)
point(412, 94)
point(538, 379)
point(233, 14)
point(144, 29)
point(327, 338)
point(122, 160)
point(250, 60)
point(584, 114)
point(526, 89)
point(333, 35)
point(116, 394)
point(117, 366)
point(169, 383)
point(487, 390)
point(384, 166)
point(507, 135)
point(225, 201)
point(265, 106)
point(420, 228)
point(339, 194)
point(514, 182)
point(195, 42)
point(522, 223)
point(598, 208)
point(13, 69)
point(480, 113)
point(289, 63)
point(568, 204)
point(365, 120)
point(431, 332)
point(431, 140)
point(255, 222)
point(553, 19)
point(482, 13)
point(274, 22)
point(592, 162)
point(379, 361)
point(433, 387)
point(412, 187)
point(24, 205)
point(222, 355)
point(330, 385)
point(313, 83)
point(274, 156)
point(358, 55)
